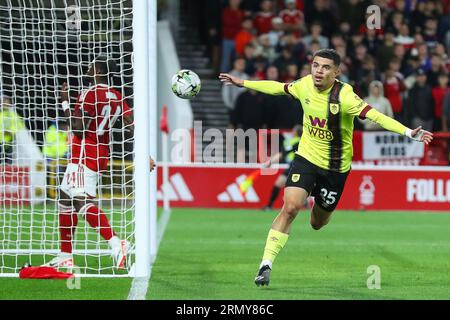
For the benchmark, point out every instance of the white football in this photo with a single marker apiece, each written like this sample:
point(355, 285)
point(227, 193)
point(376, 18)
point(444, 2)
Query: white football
point(186, 84)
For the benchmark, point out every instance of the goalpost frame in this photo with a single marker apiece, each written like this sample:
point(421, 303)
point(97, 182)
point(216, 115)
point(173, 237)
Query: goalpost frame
point(145, 143)
point(144, 65)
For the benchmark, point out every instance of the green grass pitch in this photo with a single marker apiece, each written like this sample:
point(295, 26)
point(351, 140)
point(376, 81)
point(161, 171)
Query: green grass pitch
point(214, 254)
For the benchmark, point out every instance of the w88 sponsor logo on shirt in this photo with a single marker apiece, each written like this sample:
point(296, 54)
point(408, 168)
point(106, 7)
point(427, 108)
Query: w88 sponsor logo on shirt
point(316, 129)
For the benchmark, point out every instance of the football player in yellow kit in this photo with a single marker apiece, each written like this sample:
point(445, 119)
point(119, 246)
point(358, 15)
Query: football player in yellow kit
point(323, 160)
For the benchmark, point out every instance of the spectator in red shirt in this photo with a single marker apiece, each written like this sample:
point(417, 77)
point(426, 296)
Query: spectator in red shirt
point(404, 37)
point(446, 6)
point(393, 88)
point(400, 52)
point(293, 18)
point(439, 93)
point(232, 18)
point(244, 36)
point(263, 19)
point(299, 4)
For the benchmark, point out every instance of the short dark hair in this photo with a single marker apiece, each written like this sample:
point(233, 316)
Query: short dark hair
point(315, 23)
point(329, 54)
point(107, 66)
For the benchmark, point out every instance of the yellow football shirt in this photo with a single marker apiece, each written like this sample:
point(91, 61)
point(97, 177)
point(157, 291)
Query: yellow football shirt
point(327, 127)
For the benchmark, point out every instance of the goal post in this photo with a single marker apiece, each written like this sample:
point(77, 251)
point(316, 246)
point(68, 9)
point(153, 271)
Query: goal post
point(44, 43)
point(144, 26)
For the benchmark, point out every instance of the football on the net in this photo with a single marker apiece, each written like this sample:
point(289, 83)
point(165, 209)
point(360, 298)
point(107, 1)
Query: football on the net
point(186, 84)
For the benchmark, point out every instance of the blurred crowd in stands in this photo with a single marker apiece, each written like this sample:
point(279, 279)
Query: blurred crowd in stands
point(401, 67)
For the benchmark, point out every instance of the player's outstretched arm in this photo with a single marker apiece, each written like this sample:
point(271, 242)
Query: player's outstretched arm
point(73, 123)
point(393, 125)
point(65, 101)
point(229, 80)
point(77, 119)
point(263, 86)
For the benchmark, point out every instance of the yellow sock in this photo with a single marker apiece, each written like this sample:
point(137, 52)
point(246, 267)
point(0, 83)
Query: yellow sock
point(275, 242)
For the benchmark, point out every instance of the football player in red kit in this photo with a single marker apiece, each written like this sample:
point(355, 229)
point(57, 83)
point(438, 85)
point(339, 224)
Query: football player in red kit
point(91, 119)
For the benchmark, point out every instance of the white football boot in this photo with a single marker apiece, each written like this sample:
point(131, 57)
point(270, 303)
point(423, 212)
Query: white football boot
point(62, 260)
point(119, 253)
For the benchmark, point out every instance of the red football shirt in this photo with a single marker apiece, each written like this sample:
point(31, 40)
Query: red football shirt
point(392, 91)
point(293, 17)
point(299, 4)
point(103, 105)
point(263, 22)
point(231, 22)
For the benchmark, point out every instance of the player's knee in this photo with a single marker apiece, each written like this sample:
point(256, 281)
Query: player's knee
point(291, 209)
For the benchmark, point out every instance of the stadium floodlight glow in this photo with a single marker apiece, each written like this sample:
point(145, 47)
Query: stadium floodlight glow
point(46, 43)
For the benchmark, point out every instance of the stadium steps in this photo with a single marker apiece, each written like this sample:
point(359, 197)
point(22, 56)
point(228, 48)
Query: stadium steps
point(208, 106)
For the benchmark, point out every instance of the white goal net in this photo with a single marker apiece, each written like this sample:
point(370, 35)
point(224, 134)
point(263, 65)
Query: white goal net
point(44, 43)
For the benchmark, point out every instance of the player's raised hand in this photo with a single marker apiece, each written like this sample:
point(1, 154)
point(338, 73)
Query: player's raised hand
point(64, 94)
point(228, 79)
point(419, 134)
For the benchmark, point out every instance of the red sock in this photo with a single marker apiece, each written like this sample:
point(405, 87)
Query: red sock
point(98, 220)
point(68, 221)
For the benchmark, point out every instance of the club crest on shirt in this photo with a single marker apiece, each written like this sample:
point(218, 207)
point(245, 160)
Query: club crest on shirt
point(295, 177)
point(334, 108)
